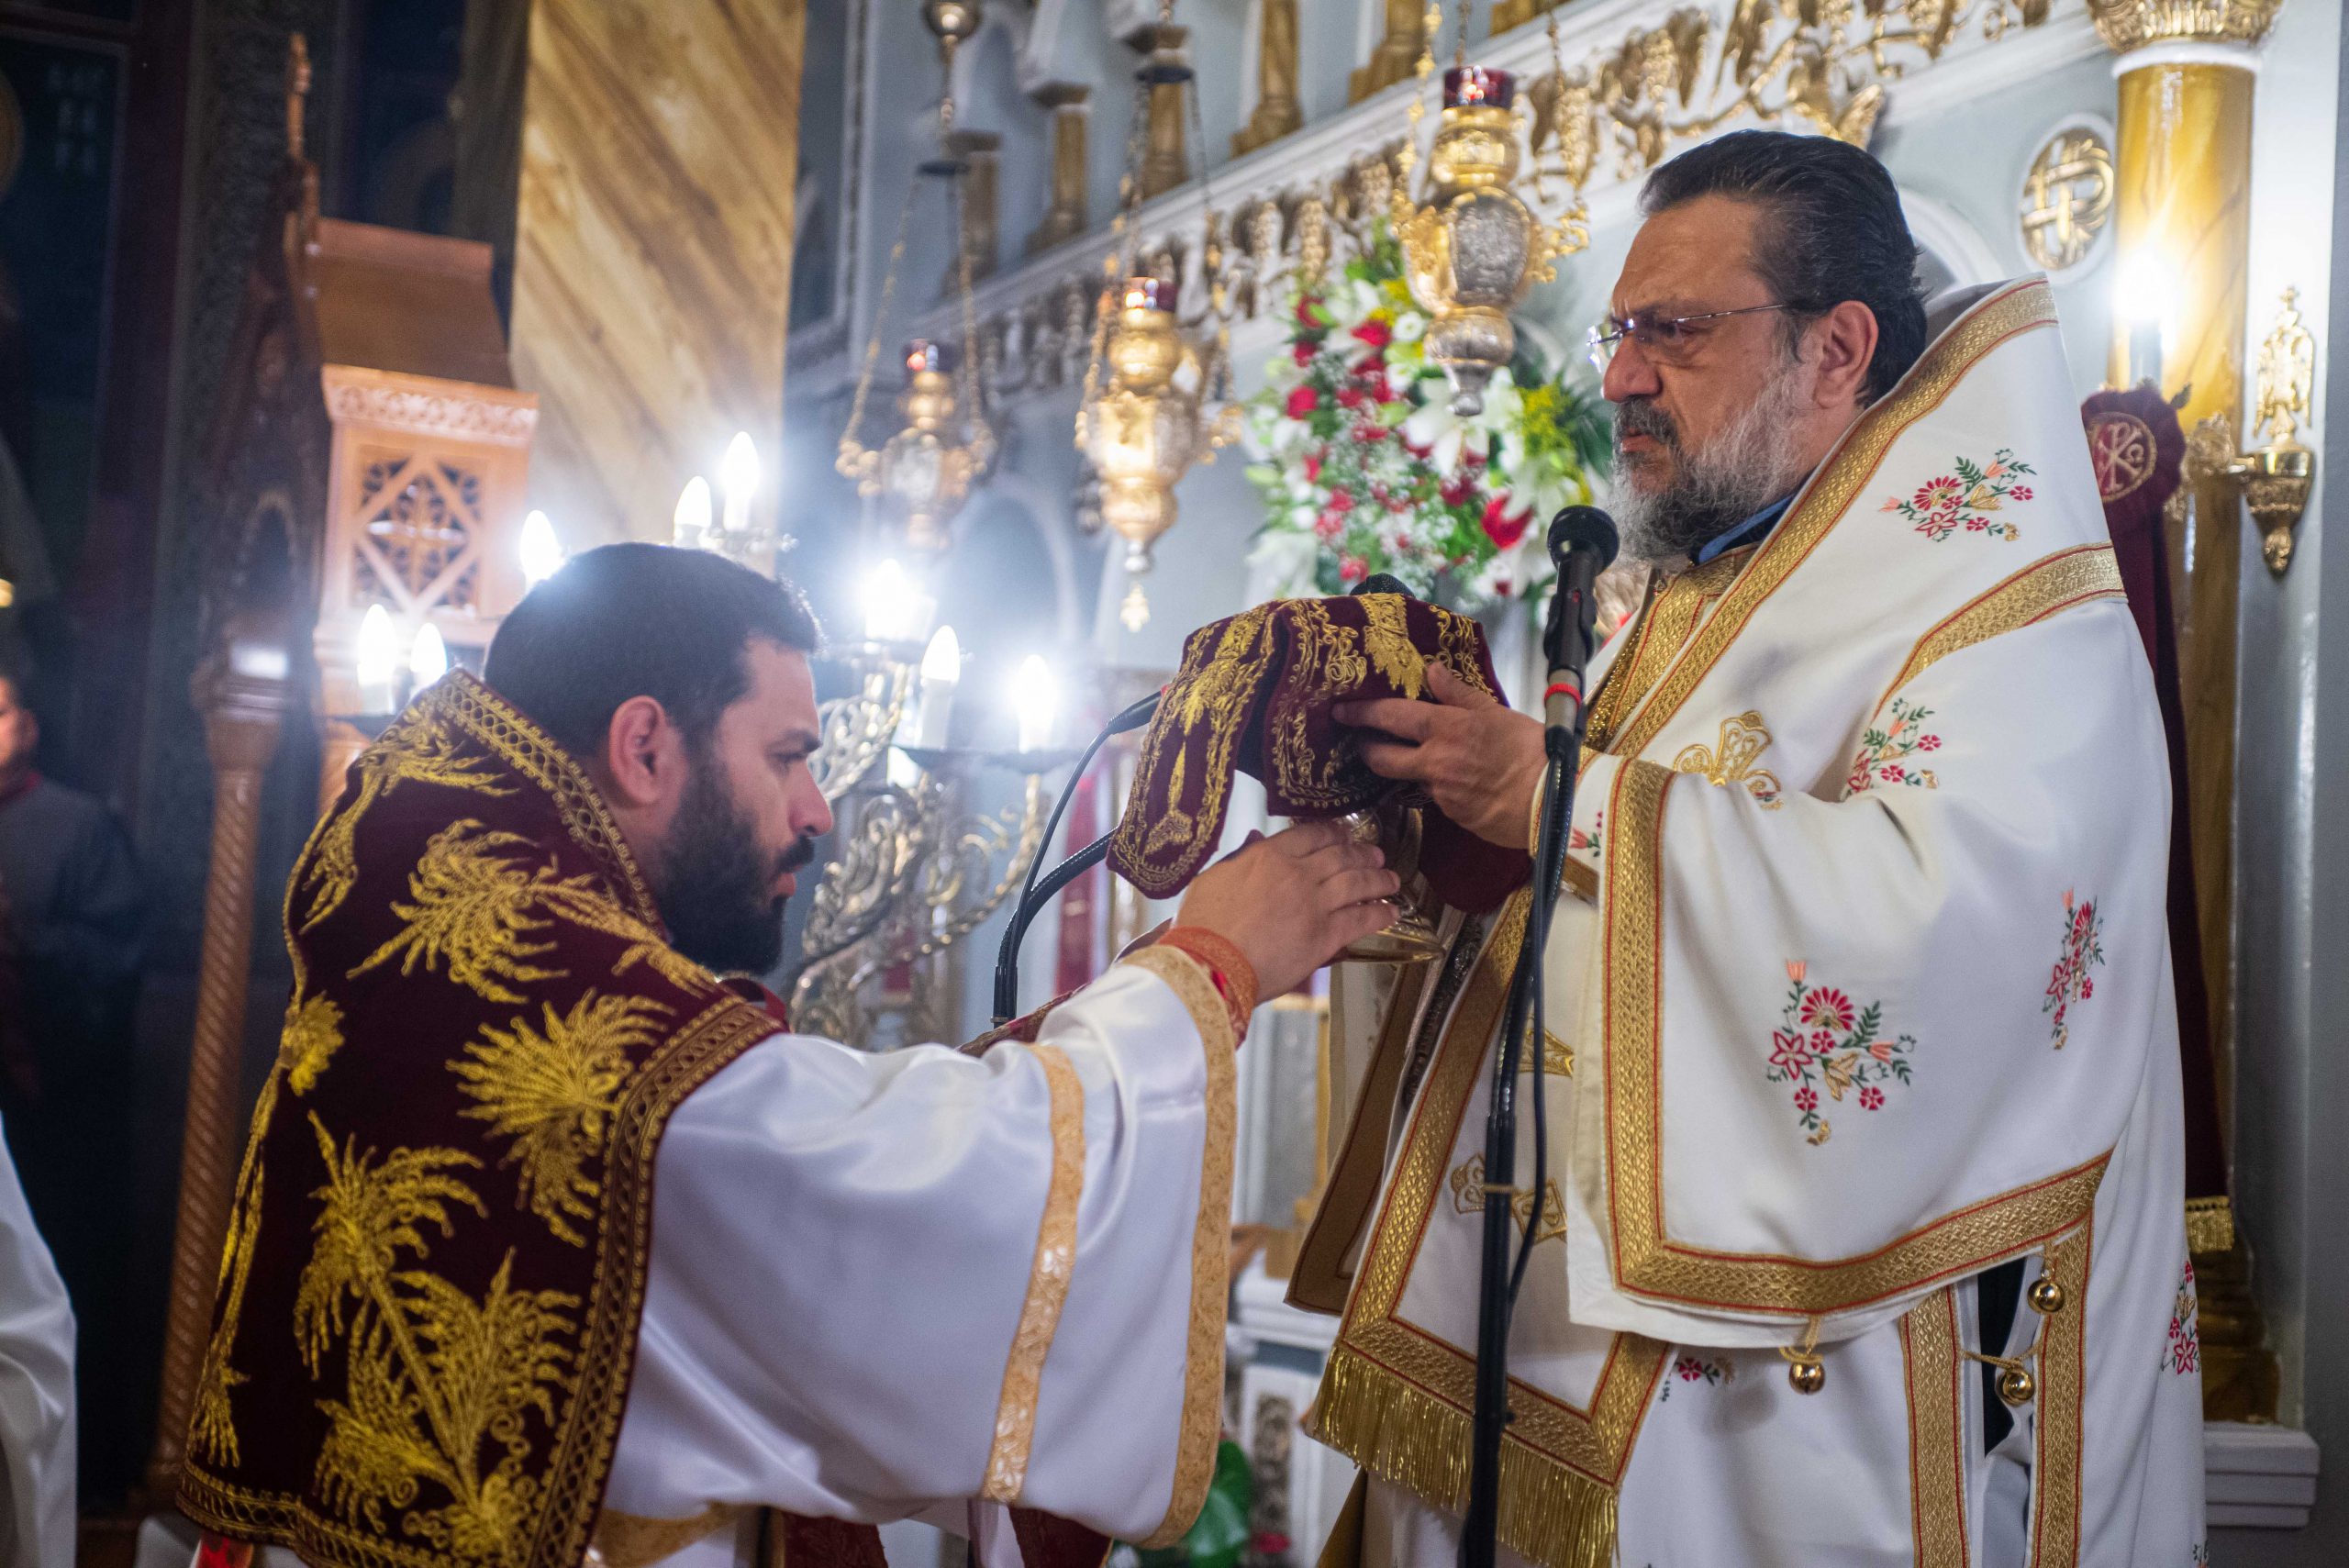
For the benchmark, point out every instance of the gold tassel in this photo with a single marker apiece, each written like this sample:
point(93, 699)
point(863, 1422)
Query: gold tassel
point(1550, 1515)
point(2210, 1225)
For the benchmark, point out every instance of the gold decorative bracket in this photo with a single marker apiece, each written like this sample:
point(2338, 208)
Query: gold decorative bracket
point(2276, 479)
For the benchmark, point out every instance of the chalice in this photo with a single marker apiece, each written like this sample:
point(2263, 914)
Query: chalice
point(1410, 937)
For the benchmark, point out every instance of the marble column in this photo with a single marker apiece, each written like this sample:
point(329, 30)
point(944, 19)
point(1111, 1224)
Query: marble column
point(243, 695)
point(1277, 111)
point(1064, 216)
point(981, 152)
point(649, 239)
point(2182, 224)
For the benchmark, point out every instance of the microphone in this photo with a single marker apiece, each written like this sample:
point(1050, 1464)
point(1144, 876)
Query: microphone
point(1583, 542)
point(1034, 896)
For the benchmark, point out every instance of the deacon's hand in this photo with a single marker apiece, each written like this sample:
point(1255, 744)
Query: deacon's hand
point(1477, 760)
point(1292, 902)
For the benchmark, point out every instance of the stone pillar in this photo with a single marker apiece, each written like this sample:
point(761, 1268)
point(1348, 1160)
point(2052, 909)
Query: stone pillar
point(2182, 223)
point(981, 152)
point(1165, 164)
point(1277, 111)
point(243, 696)
point(1065, 214)
point(646, 221)
point(1396, 56)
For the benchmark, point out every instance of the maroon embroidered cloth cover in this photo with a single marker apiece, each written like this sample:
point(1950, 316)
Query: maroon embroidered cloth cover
point(436, 1257)
point(1255, 695)
point(2139, 451)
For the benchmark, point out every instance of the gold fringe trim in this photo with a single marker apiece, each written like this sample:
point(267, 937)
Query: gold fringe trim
point(1550, 1515)
point(2210, 1225)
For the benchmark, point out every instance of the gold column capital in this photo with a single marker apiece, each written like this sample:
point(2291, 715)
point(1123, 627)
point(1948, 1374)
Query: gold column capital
point(2127, 26)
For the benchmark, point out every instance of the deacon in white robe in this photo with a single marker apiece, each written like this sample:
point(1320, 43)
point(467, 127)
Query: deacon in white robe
point(37, 1417)
point(1859, 997)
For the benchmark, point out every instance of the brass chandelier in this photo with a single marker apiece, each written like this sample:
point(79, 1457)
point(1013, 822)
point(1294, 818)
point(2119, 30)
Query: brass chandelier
point(1473, 249)
point(1154, 402)
point(926, 470)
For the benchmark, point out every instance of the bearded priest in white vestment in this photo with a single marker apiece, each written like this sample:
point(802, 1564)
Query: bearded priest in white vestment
point(1861, 1239)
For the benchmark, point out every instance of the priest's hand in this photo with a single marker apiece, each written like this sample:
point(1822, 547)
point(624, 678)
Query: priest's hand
point(1292, 902)
point(1478, 761)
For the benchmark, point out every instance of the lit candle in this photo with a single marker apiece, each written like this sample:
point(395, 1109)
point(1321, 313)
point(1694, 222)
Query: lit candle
point(2144, 295)
point(541, 552)
point(428, 660)
point(376, 662)
point(690, 529)
point(941, 670)
point(737, 474)
point(1035, 699)
point(887, 597)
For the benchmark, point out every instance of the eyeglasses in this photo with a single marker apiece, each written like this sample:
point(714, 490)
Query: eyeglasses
point(1662, 337)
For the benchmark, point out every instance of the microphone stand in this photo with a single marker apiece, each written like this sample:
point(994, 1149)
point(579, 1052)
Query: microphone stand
point(1567, 641)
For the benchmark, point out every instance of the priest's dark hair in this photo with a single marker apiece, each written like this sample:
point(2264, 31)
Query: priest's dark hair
point(628, 620)
point(1834, 231)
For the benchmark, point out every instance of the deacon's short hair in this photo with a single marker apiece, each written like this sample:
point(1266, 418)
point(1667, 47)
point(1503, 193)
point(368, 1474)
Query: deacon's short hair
point(629, 620)
point(1833, 231)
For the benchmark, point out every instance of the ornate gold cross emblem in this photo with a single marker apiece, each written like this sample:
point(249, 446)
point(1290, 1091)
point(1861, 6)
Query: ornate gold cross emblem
point(1729, 760)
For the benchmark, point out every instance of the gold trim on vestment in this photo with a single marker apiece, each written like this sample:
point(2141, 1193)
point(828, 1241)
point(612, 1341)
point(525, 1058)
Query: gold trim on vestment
point(1667, 621)
point(2063, 1390)
point(2210, 1225)
point(1048, 1277)
point(1647, 1262)
point(632, 1541)
point(1397, 1399)
point(2069, 577)
point(1935, 1372)
point(1210, 1243)
point(1318, 1283)
point(2024, 307)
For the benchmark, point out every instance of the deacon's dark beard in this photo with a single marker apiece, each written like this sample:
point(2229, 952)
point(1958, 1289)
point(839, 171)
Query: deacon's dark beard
point(715, 888)
point(1713, 489)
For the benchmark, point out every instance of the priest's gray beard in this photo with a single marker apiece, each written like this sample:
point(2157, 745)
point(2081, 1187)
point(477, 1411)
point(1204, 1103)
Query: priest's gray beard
point(1712, 488)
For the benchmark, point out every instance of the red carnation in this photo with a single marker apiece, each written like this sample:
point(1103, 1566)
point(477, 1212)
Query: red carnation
point(1375, 332)
point(1312, 467)
point(1304, 352)
point(1350, 397)
point(1302, 400)
point(1458, 489)
point(1306, 305)
point(1503, 528)
point(1353, 569)
point(1341, 499)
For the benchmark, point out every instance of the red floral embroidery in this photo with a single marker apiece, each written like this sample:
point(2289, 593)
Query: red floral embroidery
point(1882, 746)
point(1964, 500)
point(1698, 1369)
point(1823, 1040)
point(2083, 950)
point(2183, 1354)
point(1591, 843)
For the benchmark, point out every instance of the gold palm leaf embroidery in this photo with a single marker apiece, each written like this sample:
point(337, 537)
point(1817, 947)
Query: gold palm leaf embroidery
point(479, 911)
point(213, 1432)
point(313, 1033)
point(372, 1210)
point(422, 749)
point(553, 1093)
point(475, 910)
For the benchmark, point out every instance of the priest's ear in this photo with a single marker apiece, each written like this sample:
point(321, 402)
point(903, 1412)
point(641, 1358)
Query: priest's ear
point(644, 758)
point(1840, 346)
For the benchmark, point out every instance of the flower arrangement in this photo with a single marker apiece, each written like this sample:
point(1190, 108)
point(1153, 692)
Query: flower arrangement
point(1365, 468)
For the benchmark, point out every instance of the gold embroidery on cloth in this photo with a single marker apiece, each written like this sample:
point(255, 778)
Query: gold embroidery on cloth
point(1468, 1195)
point(1647, 1262)
point(313, 1033)
point(1731, 761)
point(2069, 577)
point(2063, 1386)
point(1210, 1243)
point(2210, 1225)
point(632, 1541)
point(478, 911)
point(1387, 639)
point(1669, 616)
point(1048, 1279)
point(420, 748)
point(1937, 1495)
point(213, 1434)
point(1397, 1399)
point(553, 1092)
